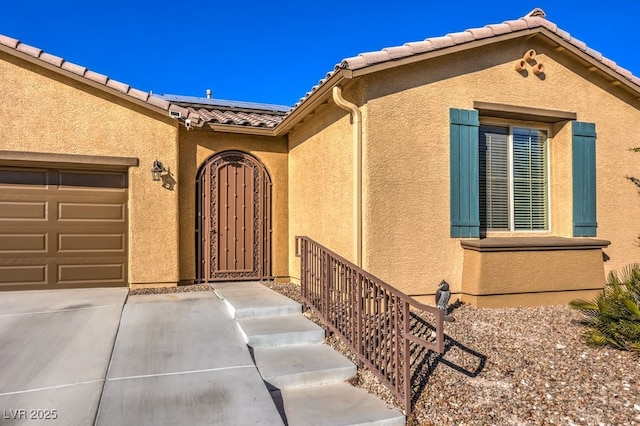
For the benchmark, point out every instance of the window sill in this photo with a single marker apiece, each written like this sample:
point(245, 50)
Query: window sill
point(533, 244)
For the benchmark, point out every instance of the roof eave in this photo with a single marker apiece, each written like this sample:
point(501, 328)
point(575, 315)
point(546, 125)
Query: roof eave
point(604, 69)
point(324, 91)
point(528, 33)
point(83, 80)
point(442, 52)
point(319, 96)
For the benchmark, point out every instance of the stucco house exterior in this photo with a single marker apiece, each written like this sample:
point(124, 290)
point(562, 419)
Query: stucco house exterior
point(495, 158)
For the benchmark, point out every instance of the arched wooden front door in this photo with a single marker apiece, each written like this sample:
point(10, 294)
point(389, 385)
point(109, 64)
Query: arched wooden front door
point(233, 229)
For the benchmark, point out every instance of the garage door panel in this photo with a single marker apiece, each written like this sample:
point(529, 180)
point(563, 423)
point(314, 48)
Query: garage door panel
point(62, 228)
point(91, 212)
point(18, 276)
point(17, 179)
point(14, 243)
point(91, 274)
point(23, 210)
point(94, 181)
point(91, 243)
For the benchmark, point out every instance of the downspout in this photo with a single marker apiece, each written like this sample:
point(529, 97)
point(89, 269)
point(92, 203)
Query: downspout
point(356, 117)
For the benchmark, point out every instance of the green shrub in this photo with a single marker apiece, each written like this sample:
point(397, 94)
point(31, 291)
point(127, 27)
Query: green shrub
point(614, 315)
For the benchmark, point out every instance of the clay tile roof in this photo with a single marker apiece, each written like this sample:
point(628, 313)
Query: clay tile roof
point(534, 19)
point(83, 72)
point(234, 113)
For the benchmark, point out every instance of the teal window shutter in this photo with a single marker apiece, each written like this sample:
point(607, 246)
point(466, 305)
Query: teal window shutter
point(464, 170)
point(584, 179)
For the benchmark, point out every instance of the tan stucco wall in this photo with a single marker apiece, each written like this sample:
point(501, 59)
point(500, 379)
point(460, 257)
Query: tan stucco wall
point(44, 112)
point(196, 147)
point(518, 272)
point(406, 160)
point(321, 186)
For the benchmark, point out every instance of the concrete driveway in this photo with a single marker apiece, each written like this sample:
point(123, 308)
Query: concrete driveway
point(92, 356)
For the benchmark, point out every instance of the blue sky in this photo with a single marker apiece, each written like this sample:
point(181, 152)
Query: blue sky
point(275, 51)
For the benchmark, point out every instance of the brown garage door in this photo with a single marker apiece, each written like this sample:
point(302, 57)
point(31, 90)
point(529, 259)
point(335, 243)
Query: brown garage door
point(62, 228)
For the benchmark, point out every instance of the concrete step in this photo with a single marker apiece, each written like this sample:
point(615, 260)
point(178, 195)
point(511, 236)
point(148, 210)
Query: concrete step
point(280, 330)
point(306, 377)
point(294, 366)
point(333, 405)
point(251, 299)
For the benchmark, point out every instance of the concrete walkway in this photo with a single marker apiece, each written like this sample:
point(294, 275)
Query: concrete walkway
point(180, 359)
point(177, 359)
point(55, 350)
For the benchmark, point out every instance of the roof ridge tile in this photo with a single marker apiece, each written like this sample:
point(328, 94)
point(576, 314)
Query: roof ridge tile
point(138, 94)
point(56, 61)
point(71, 67)
point(480, 33)
point(9, 41)
point(549, 25)
point(536, 12)
point(120, 87)
point(565, 35)
point(625, 72)
point(28, 49)
point(579, 44)
point(420, 46)
point(158, 102)
point(397, 51)
point(442, 42)
point(461, 37)
point(94, 76)
point(534, 21)
point(594, 53)
point(377, 56)
point(499, 29)
point(517, 24)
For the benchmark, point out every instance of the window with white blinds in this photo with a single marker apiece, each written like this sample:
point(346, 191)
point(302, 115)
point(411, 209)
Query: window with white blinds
point(513, 179)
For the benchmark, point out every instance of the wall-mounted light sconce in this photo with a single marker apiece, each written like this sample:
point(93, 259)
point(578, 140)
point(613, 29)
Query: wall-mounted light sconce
point(157, 170)
point(161, 173)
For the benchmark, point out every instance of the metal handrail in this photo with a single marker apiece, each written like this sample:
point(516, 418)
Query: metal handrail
point(369, 315)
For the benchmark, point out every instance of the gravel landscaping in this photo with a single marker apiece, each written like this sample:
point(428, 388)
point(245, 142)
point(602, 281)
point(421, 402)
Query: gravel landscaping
point(518, 366)
point(167, 290)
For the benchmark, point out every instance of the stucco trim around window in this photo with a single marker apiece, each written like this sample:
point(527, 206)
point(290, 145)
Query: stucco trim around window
point(17, 158)
point(533, 244)
point(516, 112)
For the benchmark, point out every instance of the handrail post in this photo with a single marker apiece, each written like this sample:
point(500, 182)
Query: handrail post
point(407, 359)
point(358, 304)
point(304, 258)
point(326, 284)
point(439, 332)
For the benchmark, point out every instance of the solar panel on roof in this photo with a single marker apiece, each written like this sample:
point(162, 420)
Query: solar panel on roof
point(225, 103)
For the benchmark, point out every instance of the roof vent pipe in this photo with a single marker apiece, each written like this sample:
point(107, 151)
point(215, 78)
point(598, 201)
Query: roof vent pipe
point(208, 93)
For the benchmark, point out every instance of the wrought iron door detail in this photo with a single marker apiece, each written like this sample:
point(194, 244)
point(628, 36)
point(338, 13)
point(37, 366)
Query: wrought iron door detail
point(234, 229)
